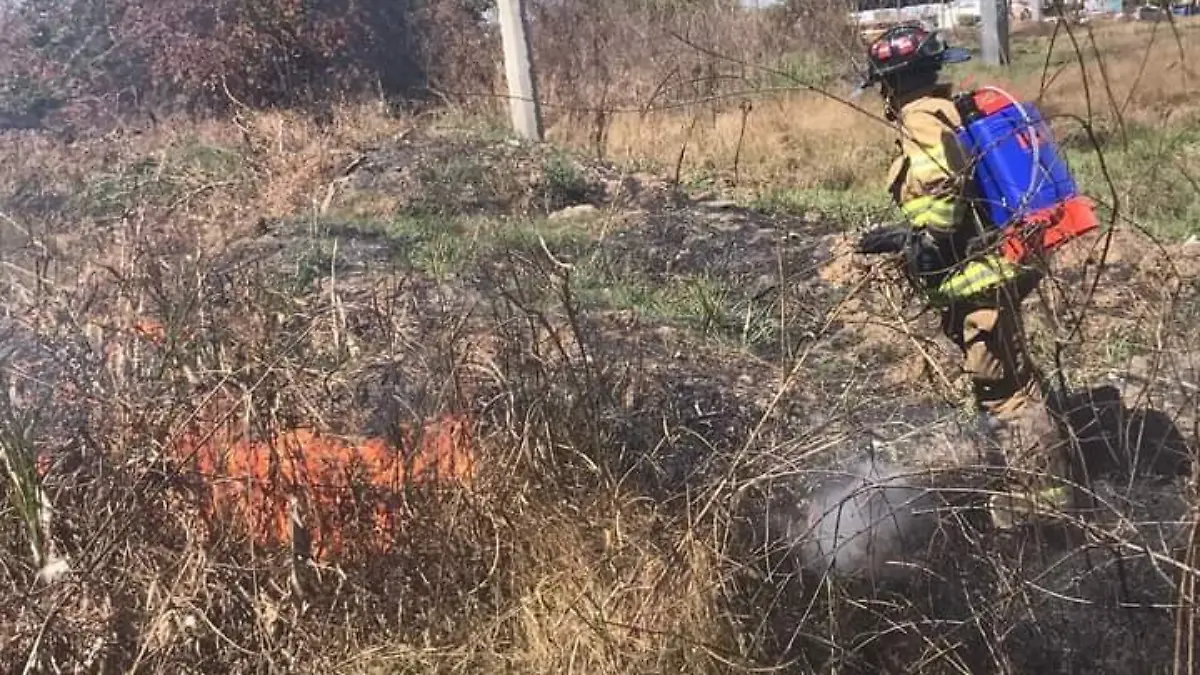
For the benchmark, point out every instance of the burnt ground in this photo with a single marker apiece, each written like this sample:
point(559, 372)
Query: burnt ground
point(562, 286)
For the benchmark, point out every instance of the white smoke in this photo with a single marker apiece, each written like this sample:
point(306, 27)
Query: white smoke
point(870, 521)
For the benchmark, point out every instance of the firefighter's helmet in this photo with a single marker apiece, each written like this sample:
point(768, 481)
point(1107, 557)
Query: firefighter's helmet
point(908, 48)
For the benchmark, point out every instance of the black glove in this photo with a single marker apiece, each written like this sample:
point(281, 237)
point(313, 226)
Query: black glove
point(927, 261)
point(885, 239)
point(923, 256)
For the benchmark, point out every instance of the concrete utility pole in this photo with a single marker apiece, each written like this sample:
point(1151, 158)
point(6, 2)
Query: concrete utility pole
point(518, 69)
point(1035, 11)
point(993, 31)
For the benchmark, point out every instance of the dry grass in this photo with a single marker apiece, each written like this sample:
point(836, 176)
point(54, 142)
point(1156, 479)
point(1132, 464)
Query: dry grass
point(171, 306)
point(215, 179)
point(798, 140)
point(528, 569)
point(624, 462)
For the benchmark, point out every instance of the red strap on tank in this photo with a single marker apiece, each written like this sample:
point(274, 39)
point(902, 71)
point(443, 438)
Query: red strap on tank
point(1048, 229)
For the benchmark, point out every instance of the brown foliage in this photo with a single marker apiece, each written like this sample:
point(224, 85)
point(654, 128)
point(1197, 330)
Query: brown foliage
point(95, 57)
point(202, 56)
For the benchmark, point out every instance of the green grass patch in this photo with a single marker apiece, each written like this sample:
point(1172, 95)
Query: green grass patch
point(213, 161)
point(110, 194)
point(446, 246)
point(693, 300)
point(187, 167)
point(1027, 61)
point(711, 307)
point(563, 182)
point(852, 207)
point(1155, 174)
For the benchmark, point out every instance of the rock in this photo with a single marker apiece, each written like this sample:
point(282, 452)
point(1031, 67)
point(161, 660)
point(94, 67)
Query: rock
point(719, 204)
point(575, 212)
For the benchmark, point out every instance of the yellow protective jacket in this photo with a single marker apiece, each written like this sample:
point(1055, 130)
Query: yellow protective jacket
point(930, 182)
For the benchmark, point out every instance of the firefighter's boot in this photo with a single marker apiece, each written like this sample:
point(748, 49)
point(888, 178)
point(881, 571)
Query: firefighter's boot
point(1033, 453)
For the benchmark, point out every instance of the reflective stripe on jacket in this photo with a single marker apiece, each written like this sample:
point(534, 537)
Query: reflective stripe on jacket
point(939, 213)
point(977, 276)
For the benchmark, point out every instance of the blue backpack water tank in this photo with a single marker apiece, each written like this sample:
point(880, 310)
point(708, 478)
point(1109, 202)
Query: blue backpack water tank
point(1012, 183)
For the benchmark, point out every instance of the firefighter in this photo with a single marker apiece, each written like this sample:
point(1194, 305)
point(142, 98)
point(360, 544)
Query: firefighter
point(946, 250)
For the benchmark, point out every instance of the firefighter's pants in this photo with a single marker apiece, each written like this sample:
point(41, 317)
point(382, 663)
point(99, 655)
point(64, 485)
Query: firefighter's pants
point(990, 333)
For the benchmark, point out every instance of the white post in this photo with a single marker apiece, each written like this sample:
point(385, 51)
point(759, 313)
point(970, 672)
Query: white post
point(993, 29)
point(1035, 11)
point(518, 68)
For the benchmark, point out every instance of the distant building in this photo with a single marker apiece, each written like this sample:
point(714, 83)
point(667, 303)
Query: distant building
point(873, 13)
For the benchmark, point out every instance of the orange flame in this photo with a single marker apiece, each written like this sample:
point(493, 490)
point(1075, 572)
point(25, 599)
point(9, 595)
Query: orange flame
point(330, 478)
point(255, 482)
